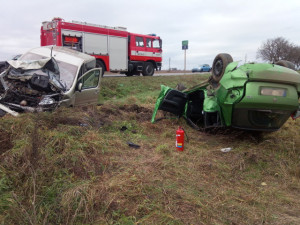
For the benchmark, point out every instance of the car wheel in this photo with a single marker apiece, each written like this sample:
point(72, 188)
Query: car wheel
point(148, 69)
point(219, 65)
point(99, 64)
point(286, 64)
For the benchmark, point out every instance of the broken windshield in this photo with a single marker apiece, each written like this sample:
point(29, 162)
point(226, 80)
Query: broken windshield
point(67, 71)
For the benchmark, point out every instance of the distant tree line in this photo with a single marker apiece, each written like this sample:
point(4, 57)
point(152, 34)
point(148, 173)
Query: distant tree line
point(277, 49)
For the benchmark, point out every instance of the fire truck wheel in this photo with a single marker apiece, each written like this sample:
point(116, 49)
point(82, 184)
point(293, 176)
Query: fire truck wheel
point(100, 64)
point(148, 69)
point(219, 65)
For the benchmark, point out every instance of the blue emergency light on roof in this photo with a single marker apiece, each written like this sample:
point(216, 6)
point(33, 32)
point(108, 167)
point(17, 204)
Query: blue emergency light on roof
point(154, 35)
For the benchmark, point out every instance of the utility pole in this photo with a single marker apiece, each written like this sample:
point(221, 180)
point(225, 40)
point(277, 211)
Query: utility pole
point(169, 64)
point(184, 60)
point(185, 46)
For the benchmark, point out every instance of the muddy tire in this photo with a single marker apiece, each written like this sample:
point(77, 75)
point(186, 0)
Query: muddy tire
point(100, 64)
point(219, 65)
point(148, 69)
point(286, 64)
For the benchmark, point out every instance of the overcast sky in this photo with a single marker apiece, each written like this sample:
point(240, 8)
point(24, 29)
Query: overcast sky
point(215, 26)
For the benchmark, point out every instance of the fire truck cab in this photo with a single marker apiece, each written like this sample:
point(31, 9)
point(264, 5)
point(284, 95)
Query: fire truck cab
point(114, 48)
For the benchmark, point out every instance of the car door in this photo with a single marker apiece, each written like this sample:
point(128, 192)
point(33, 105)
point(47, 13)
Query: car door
point(88, 88)
point(156, 49)
point(138, 49)
point(170, 100)
point(174, 102)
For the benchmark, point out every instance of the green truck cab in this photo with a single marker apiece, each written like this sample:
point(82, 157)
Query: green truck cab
point(254, 96)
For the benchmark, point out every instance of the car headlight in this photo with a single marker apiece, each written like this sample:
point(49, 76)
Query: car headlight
point(47, 101)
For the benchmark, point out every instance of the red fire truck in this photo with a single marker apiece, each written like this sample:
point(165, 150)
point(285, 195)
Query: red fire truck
point(115, 49)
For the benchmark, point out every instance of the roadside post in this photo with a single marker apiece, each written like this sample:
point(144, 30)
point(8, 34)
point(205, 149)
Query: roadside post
point(185, 44)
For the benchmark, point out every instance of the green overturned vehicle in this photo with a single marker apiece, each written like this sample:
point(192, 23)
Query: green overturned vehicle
point(254, 96)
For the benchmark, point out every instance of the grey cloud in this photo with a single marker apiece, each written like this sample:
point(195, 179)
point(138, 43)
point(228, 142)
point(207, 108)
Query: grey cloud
point(236, 27)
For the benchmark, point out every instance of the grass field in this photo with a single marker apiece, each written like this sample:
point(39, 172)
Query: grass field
point(74, 166)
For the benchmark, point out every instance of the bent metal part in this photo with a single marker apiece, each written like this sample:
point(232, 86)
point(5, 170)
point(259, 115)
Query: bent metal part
point(46, 77)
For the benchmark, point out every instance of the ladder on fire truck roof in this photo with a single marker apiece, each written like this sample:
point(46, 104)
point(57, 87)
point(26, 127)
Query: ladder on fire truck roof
point(101, 26)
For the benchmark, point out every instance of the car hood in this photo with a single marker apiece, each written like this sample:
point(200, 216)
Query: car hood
point(44, 68)
point(29, 65)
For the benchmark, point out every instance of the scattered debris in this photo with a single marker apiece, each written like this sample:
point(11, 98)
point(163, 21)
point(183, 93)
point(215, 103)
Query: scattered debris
point(123, 128)
point(132, 145)
point(180, 87)
point(263, 184)
point(226, 150)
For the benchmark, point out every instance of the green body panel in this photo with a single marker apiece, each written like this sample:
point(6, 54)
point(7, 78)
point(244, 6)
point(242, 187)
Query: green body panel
point(230, 91)
point(233, 79)
point(272, 73)
point(226, 100)
point(163, 92)
point(210, 103)
point(253, 98)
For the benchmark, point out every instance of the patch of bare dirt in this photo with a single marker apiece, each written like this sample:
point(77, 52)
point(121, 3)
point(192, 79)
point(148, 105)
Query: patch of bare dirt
point(5, 141)
point(142, 114)
point(134, 111)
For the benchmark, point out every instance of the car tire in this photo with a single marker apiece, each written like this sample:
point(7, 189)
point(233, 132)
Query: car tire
point(219, 65)
point(286, 64)
point(148, 69)
point(99, 64)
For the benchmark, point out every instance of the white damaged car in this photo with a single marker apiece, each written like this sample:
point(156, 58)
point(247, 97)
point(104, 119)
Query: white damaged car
point(47, 77)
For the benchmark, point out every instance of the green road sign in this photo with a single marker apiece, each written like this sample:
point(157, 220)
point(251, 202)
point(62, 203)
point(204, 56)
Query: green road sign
point(186, 42)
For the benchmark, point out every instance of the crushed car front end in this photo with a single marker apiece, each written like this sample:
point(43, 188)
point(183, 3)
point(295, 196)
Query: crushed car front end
point(31, 86)
point(44, 78)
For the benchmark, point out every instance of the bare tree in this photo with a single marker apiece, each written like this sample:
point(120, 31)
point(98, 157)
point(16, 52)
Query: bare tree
point(275, 49)
point(294, 56)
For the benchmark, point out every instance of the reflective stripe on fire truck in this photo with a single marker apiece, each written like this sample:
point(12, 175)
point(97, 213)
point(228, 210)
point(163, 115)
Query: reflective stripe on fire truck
point(144, 53)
